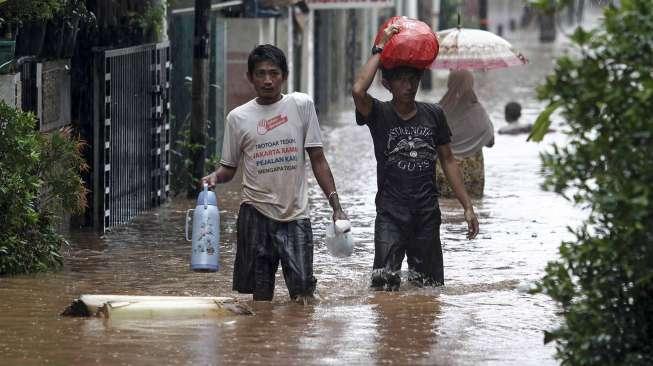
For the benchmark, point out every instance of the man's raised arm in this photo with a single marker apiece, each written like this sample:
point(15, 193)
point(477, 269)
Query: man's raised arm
point(362, 100)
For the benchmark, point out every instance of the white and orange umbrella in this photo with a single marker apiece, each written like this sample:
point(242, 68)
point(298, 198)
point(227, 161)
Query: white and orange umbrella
point(473, 49)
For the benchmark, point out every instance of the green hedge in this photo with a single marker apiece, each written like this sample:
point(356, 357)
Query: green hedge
point(29, 207)
point(603, 280)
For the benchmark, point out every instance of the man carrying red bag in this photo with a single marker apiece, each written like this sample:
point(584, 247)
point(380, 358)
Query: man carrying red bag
point(408, 137)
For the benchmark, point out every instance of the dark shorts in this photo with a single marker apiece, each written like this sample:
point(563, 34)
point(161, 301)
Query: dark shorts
point(262, 243)
point(414, 233)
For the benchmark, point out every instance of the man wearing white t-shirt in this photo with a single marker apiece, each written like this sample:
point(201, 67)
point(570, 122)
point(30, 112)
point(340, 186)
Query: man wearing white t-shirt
point(267, 137)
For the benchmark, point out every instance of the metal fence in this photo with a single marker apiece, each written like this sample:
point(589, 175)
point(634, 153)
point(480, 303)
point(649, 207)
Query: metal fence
point(131, 132)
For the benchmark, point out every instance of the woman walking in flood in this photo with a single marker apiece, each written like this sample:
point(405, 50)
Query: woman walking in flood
point(471, 131)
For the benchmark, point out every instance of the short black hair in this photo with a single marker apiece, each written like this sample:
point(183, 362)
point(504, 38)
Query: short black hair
point(267, 52)
point(394, 73)
point(512, 111)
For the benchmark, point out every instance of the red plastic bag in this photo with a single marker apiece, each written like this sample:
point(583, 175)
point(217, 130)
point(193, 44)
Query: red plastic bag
point(415, 45)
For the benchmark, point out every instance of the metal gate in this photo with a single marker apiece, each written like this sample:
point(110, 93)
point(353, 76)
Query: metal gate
point(131, 132)
point(29, 92)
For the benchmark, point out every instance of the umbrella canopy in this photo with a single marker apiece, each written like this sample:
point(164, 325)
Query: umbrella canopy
point(463, 48)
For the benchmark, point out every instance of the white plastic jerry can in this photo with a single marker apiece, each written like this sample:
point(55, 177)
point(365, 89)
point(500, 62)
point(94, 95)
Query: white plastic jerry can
point(339, 239)
point(206, 232)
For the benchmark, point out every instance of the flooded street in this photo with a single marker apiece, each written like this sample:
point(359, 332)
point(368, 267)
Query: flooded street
point(484, 314)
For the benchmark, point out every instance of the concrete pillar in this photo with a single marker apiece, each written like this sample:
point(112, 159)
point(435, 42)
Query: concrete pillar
point(291, 51)
point(579, 11)
point(412, 9)
point(340, 62)
point(435, 15)
point(374, 25)
point(308, 55)
point(426, 15)
point(571, 12)
point(9, 89)
point(267, 31)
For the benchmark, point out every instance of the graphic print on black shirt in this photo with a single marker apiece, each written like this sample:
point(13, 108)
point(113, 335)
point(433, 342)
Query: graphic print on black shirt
point(410, 149)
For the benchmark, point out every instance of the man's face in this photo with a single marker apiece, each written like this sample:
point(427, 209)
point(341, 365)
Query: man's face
point(267, 79)
point(404, 85)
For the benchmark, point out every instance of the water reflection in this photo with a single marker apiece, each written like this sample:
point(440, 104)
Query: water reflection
point(406, 326)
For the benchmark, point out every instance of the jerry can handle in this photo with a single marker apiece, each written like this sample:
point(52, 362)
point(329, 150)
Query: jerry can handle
point(188, 220)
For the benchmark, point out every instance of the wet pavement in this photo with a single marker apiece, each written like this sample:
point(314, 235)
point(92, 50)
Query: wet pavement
point(484, 314)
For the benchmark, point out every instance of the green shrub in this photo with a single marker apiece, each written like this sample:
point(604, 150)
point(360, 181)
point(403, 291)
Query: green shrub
point(603, 280)
point(16, 11)
point(29, 10)
point(30, 208)
point(59, 168)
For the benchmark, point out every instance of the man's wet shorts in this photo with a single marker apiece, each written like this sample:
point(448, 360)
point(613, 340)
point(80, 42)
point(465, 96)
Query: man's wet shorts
point(262, 243)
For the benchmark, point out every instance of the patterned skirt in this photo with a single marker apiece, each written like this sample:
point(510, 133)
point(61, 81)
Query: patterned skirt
point(473, 173)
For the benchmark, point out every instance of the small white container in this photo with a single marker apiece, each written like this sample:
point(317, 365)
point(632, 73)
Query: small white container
point(339, 240)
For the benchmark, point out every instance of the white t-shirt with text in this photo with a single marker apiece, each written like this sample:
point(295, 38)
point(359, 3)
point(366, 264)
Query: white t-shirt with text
point(270, 140)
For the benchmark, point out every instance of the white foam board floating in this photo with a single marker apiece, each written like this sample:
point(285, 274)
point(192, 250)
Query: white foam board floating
point(147, 307)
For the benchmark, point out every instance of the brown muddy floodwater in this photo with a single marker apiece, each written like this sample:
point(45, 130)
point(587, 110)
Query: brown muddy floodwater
point(484, 314)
